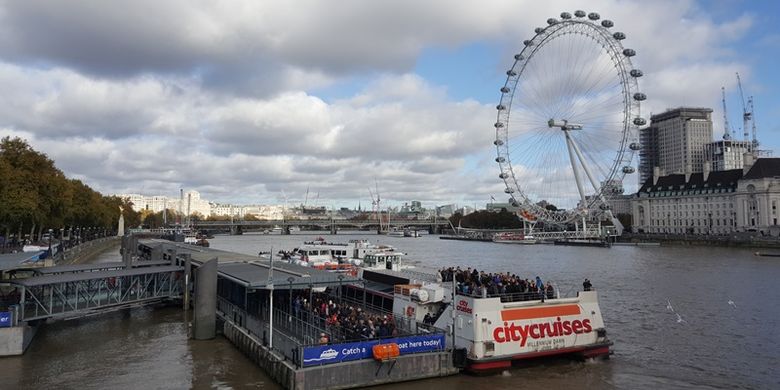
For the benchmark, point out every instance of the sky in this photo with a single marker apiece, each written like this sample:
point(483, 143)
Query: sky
point(255, 102)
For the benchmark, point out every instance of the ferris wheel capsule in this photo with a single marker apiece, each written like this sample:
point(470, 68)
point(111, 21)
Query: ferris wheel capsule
point(594, 16)
point(552, 21)
point(565, 15)
point(538, 30)
point(500, 107)
point(528, 42)
point(640, 96)
point(504, 90)
point(636, 73)
point(607, 23)
point(639, 121)
point(498, 142)
point(629, 52)
point(628, 169)
point(579, 13)
point(502, 175)
point(619, 36)
point(635, 146)
point(518, 57)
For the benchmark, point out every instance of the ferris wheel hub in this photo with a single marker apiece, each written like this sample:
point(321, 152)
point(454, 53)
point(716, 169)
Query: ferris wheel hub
point(564, 124)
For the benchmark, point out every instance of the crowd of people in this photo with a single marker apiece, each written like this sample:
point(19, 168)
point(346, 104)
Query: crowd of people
point(509, 287)
point(344, 321)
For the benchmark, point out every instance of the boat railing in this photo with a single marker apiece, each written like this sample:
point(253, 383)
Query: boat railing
point(513, 297)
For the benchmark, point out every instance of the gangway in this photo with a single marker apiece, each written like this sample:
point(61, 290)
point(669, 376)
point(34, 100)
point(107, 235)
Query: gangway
point(78, 294)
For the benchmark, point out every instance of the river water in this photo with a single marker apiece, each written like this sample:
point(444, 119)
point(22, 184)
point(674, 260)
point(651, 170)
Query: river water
point(727, 334)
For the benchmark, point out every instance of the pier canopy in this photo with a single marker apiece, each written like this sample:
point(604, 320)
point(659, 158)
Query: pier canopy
point(255, 275)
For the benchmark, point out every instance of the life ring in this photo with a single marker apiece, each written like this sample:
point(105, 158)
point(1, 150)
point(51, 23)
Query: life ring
point(410, 311)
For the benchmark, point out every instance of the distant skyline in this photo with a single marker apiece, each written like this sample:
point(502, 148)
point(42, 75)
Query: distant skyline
point(247, 102)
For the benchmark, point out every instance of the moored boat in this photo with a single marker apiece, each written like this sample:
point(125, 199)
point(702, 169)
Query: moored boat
point(514, 238)
point(494, 331)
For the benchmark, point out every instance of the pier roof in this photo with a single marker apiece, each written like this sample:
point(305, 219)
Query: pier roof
point(11, 261)
point(79, 276)
point(69, 268)
point(252, 272)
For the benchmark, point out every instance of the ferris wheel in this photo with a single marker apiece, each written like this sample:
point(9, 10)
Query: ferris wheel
point(568, 120)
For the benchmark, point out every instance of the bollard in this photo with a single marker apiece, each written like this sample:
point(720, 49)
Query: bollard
point(205, 315)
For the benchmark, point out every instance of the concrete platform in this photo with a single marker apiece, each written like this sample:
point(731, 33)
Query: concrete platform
point(347, 375)
point(15, 340)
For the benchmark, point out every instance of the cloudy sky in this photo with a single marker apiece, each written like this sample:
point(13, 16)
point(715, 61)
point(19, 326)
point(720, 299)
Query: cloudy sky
point(245, 101)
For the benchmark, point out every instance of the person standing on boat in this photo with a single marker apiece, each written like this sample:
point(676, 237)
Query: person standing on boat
point(540, 287)
point(586, 286)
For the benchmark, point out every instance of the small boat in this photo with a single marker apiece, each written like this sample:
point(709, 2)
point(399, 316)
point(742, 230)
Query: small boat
point(202, 242)
point(764, 254)
point(513, 238)
point(595, 243)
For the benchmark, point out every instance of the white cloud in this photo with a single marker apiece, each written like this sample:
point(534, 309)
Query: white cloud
point(219, 96)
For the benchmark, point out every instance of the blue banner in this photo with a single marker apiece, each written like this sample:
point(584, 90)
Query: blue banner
point(344, 352)
point(5, 319)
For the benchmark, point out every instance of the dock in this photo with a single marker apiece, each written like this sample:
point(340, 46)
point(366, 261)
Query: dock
point(255, 310)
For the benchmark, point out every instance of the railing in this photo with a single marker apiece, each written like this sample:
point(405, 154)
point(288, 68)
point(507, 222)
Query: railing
point(292, 332)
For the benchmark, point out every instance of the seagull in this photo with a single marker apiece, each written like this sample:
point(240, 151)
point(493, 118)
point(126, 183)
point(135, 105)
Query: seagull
point(680, 319)
point(669, 306)
point(732, 303)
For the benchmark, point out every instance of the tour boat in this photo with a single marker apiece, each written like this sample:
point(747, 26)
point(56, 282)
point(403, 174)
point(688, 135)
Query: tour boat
point(514, 238)
point(320, 252)
point(490, 332)
point(494, 332)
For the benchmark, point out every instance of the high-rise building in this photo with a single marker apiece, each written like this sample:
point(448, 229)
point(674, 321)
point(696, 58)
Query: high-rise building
point(648, 155)
point(675, 141)
point(727, 154)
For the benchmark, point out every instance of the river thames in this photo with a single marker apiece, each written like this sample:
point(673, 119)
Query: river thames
point(680, 318)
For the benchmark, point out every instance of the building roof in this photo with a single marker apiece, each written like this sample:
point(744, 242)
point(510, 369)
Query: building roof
point(764, 167)
point(717, 179)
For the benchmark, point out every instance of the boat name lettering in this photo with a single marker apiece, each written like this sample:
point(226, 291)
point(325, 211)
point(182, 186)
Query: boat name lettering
point(512, 332)
point(463, 305)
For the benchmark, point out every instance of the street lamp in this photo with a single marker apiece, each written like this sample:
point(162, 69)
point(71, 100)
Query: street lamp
point(341, 278)
point(290, 307)
point(51, 255)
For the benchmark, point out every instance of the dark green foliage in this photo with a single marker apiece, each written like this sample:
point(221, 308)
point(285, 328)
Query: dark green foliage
point(487, 220)
point(35, 195)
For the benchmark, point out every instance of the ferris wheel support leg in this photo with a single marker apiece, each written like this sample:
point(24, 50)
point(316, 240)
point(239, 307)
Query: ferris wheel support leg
point(615, 221)
point(572, 148)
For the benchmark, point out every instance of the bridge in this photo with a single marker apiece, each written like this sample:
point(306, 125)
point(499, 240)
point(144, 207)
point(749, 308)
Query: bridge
point(433, 225)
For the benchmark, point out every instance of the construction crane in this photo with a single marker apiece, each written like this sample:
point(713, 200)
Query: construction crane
point(746, 115)
point(726, 127)
point(753, 122)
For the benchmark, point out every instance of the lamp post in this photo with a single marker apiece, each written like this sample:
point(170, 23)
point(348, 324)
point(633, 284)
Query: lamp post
point(51, 255)
point(341, 278)
point(290, 307)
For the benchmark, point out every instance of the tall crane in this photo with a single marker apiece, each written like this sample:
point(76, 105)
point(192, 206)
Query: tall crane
point(726, 127)
point(746, 115)
point(753, 122)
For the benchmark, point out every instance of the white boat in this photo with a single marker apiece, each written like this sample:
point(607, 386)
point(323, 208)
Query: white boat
point(395, 233)
point(411, 233)
point(320, 252)
point(514, 238)
point(495, 331)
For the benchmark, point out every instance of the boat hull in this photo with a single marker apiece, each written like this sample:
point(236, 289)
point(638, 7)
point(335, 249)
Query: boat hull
point(487, 366)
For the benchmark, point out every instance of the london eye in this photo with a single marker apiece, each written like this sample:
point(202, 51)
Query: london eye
point(568, 120)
